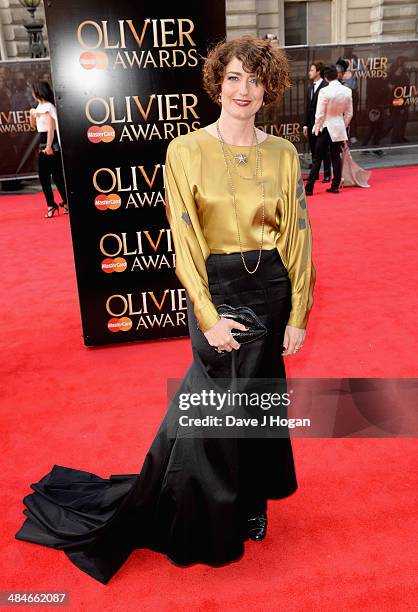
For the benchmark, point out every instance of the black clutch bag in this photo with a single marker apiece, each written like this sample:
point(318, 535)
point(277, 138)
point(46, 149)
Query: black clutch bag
point(246, 316)
point(55, 146)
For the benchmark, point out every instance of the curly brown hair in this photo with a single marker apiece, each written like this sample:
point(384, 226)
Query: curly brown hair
point(267, 61)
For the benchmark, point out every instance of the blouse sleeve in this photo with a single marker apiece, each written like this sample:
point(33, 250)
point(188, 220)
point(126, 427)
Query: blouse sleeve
point(48, 107)
point(300, 267)
point(190, 246)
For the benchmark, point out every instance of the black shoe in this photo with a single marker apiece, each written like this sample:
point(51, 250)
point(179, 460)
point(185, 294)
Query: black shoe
point(64, 205)
point(257, 527)
point(332, 190)
point(308, 191)
point(51, 211)
point(326, 179)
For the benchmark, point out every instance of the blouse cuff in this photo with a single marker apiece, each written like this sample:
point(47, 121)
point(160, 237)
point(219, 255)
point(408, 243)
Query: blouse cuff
point(298, 318)
point(207, 316)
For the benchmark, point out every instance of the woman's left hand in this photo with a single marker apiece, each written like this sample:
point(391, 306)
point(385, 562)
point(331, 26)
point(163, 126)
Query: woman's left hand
point(293, 339)
point(48, 151)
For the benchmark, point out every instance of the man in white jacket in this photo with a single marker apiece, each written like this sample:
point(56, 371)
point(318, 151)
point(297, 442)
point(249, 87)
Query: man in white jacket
point(333, 115)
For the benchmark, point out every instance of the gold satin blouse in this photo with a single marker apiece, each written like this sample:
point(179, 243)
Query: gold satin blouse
point(202, 218)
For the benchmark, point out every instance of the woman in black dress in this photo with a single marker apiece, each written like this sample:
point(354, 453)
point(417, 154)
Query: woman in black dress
point(237, 210)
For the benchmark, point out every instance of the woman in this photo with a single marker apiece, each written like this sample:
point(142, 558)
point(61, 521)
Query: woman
point(44, 117)
point(198, 498)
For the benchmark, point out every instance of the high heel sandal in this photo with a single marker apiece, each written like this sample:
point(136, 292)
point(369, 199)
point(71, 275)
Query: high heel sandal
point(51, 211)
point(65, 207)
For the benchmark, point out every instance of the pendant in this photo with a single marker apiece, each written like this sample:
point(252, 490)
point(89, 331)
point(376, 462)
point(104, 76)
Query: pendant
point(241, 158)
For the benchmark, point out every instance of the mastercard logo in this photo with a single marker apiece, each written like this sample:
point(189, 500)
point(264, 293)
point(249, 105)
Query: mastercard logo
point(104, 133)
point(398, 102)
point(105, 202)
point(116, 264)
point(119, 324)
point(89, 60)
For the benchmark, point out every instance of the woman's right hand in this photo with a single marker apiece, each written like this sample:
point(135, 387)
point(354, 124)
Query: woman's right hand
point(219, 335)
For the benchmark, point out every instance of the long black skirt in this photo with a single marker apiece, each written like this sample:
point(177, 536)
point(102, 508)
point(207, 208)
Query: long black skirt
point(193, 494)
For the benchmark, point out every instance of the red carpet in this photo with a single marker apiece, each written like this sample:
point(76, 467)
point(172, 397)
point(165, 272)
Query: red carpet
point(343, 541)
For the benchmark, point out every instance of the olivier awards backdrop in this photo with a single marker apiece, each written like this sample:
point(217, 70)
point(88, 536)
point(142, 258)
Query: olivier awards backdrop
point(127, 80)
point(18, 140)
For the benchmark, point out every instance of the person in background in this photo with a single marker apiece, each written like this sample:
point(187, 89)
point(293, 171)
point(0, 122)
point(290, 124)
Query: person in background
point(398, 77)
point(44, 118)
point(316, 76)
point(272, 38)
point(351, 173)
point(348, 78)
point(333, 115)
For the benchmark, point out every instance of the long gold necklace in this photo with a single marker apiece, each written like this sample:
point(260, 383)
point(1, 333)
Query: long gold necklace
point(258, 171)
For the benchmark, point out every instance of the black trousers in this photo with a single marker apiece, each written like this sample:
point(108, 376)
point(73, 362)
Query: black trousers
point(312, 138)
point(194, 494)
point(50, 165)
point(324, 143)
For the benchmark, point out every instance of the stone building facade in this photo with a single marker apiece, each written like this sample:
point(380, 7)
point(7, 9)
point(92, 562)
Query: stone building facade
point(294, 22)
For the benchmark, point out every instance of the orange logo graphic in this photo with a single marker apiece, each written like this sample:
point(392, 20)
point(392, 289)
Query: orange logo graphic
point(117, 264)
point(89, 60)
point(104, 202)
point(104, 133)
point(122, 324)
